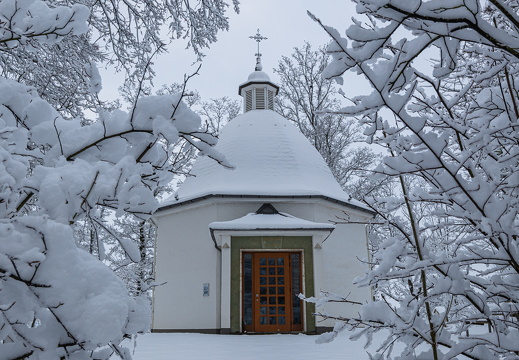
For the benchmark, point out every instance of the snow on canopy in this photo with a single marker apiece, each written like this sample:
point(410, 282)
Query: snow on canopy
point(254, 221)
point(271, 157)
point(258, 76)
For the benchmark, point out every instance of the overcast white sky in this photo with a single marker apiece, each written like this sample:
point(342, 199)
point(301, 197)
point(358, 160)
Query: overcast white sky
point(231, 59)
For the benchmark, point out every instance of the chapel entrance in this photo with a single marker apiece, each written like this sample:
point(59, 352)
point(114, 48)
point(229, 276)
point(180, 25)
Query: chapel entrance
point(272, 282)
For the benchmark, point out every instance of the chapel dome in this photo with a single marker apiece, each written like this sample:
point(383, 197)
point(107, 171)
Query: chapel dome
point(271, 158)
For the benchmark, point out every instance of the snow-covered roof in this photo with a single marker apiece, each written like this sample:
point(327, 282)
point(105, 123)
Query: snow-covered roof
point(258, 76)
point(271, 158)
point(280, 221)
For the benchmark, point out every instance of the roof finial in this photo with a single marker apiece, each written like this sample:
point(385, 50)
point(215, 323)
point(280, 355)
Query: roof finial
point(258, 38)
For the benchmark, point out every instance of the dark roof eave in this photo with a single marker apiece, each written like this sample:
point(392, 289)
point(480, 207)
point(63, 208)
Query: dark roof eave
point(200, 198)
point(257, 82)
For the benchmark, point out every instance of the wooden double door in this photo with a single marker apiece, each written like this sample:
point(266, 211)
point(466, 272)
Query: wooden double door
point(271, 283)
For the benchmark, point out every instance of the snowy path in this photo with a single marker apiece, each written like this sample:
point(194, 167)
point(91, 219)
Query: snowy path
point(244, 347)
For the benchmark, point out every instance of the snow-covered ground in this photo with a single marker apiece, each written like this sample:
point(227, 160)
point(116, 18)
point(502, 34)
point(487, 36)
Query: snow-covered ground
point(184, 346)
point(245, 347)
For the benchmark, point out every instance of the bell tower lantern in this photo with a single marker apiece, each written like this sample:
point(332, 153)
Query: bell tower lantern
point(258, 91)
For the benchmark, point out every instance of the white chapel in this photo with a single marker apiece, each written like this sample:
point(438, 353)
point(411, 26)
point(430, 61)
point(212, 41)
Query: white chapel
point(235, 248)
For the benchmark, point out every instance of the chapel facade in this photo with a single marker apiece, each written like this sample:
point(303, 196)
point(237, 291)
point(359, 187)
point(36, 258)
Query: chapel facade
point(235, 248)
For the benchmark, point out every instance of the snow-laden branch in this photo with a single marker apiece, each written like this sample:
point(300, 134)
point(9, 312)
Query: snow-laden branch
point(56, 300)
point(448, 256)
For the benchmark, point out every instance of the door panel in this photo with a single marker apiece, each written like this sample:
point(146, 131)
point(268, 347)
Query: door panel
point(272, 293)
point(269, 298)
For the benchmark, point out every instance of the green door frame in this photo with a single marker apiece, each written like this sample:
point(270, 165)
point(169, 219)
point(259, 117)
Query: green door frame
point(240, 244)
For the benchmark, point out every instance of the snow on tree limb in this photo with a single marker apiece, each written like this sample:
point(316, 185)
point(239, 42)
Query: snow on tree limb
point(56, 300)
point(449, 257)
point(26, 20)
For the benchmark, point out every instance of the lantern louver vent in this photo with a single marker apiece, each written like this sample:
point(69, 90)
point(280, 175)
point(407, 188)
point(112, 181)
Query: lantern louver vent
point(248, 100)
point(270, 99)
point(260, 99)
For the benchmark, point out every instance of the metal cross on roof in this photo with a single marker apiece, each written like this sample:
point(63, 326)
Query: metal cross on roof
point(258, 38)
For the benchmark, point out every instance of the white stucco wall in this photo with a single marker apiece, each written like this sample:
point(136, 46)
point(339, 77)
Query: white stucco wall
point(186, 258)
point(342, 253)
